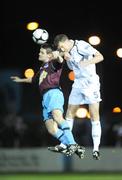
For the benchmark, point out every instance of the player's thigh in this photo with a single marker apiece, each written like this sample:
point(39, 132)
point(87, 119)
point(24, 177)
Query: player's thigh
point(71, 111)
point(94, 111)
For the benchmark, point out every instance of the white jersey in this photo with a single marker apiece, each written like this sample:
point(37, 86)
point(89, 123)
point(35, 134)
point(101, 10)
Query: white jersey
point(84, 76)
point(86, 86)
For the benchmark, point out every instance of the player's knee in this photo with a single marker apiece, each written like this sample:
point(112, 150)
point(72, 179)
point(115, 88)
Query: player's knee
point(57, 115)
point(71, 111)
point(95, 116)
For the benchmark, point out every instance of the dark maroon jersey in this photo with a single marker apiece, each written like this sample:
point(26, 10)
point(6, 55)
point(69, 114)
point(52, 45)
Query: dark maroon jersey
point(49, 75)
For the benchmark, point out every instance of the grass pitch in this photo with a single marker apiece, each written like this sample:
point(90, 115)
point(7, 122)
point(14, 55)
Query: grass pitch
point(62, 176)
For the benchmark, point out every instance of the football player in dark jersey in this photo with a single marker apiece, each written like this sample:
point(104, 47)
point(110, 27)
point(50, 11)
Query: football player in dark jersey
point(53, 99)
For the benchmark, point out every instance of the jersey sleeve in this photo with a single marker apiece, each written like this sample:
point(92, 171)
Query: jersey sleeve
point(85, 48)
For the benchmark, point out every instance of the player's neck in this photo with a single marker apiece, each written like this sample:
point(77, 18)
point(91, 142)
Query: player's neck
point(71, 44)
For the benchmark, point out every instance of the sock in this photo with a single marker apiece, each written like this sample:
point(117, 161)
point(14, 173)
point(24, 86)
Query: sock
point(96, 134)
point(70, 123)
point(61, 137)
point(68, 134)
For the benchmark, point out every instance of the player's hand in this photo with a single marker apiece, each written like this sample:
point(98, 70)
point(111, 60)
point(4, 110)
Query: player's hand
point(55, 54)
point(15, 78)
point(60, 59)
point(66, 56)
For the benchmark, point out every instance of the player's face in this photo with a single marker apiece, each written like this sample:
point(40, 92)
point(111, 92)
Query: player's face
point(43, 56)
point(63, 46)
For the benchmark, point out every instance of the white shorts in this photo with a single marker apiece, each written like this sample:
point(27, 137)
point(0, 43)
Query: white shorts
point(85, 96)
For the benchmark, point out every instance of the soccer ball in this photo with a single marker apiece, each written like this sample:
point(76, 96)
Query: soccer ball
point(40, 36)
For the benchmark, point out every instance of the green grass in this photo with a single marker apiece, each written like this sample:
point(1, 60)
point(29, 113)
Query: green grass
point(61, 177)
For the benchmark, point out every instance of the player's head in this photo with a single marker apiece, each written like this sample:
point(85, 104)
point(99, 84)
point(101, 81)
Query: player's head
point(61, 41)
point(45, 52)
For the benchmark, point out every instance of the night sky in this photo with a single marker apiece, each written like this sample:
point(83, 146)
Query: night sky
point(78, 21)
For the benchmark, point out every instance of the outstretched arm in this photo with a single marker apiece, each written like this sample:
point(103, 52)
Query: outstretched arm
point(98, 57)
point(21, 80)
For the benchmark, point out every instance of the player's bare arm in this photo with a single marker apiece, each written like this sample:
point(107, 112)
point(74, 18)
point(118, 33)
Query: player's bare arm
point(57, 55)
point(21, 80)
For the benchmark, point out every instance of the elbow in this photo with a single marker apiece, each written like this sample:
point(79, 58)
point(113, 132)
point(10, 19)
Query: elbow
point(99, 56)
point(102, 58)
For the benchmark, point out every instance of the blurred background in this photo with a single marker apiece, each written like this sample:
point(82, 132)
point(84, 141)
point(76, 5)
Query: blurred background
point(21, 125)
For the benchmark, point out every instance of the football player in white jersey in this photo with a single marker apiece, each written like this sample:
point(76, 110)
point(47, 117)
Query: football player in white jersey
point(82, 58)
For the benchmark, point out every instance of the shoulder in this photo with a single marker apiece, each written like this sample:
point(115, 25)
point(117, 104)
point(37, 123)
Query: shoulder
point(82, 43)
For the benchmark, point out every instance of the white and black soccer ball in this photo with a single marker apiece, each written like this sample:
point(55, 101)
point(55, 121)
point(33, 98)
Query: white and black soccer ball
point(40, 36)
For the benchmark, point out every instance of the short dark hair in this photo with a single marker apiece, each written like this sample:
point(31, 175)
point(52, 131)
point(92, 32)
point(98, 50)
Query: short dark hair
point(48, 47)
point(60, 38)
